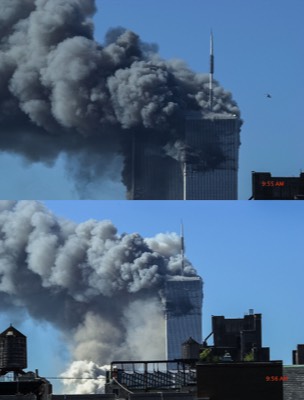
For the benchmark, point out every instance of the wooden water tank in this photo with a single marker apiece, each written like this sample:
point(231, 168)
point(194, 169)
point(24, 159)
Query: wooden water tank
point(13, 354)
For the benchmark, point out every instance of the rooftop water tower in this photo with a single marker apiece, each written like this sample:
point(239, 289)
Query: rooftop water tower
point(13, 354)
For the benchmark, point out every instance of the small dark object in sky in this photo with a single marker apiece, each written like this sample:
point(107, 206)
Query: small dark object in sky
point(268, 95)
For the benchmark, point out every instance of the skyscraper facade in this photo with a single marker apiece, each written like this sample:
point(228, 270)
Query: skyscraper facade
point(213, 173)
point(205, 169)
point(154, 175)
point(183, 313)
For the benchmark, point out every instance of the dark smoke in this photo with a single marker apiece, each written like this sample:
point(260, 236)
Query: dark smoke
point(102, 290)
point(201, 160)
point(62, 92)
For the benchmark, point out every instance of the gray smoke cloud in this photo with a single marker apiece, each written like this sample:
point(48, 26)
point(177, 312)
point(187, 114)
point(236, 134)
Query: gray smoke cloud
point(101, 290)
point(62, 92)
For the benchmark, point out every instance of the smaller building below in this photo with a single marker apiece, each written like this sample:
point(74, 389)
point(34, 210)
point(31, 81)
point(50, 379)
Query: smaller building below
point(236, 339)
point(267, 187)
point(298, 355)
point(240, 380)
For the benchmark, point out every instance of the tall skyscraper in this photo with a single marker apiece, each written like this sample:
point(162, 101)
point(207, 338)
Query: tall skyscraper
point(210, 172)
point(204, 164)
point(183, 313)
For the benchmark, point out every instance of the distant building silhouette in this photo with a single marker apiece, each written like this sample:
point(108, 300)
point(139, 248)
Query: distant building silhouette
point(298, 355)
point(237, 339)
point(267, 187)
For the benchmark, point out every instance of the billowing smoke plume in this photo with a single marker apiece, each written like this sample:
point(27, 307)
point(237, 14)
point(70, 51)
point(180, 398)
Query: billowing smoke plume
point(101, 290)
point(62, 92)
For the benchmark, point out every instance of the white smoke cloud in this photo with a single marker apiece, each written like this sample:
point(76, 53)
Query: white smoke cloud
point(145, 339)
point(85, 377)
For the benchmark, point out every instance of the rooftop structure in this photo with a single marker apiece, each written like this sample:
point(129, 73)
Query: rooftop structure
point(237, 339)
point(267, 187)
point(13, 354)
point(130, 377)
point(298, 355)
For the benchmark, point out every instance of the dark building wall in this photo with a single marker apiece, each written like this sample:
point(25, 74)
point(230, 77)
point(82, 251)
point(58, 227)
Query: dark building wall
point(294, 357)
point(215, 141)
point(298, 355)
point(267, 187)
point(226, 332)
point(293, 387)
point(239, 381)
point(152, 174)
point(239, 336)
point(41, 388)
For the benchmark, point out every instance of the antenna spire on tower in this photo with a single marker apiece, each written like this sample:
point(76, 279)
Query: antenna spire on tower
point(211, 71)
point(182, 247)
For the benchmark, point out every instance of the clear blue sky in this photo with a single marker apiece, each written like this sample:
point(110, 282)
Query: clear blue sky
point(258, 50)
point(249, 254)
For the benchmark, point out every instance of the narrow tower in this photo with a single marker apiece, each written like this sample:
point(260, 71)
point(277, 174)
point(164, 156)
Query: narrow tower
point(182, 247)
point(211, 72)
point(184, 170)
